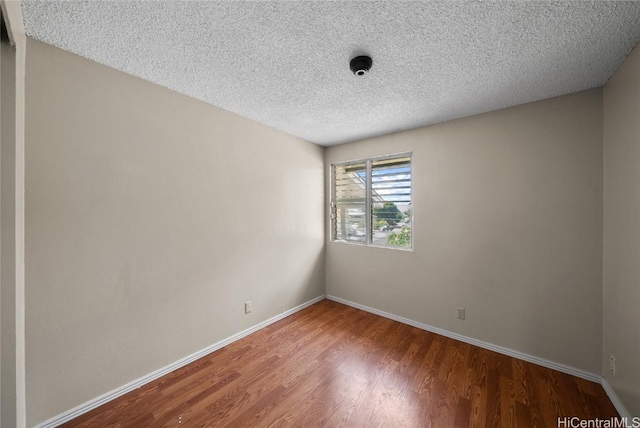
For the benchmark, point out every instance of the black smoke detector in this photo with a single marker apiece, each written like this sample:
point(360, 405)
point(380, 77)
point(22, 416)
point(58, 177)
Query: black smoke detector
point(361, 65)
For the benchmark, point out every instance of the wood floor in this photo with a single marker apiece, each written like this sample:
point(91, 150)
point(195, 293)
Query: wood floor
point(331, 365)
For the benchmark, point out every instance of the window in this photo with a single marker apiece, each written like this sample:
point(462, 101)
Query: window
point(371, 201)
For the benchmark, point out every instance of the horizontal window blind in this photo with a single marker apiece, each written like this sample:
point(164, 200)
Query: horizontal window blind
point(350, 199)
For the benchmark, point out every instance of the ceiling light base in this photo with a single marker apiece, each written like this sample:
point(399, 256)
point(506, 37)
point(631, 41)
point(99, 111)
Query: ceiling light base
point(361, 65)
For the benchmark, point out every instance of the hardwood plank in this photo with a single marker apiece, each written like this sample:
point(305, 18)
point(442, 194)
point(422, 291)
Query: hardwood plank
point(331, 365)
point(176, 411)
point(430, 364)
point(446, 399)
point(527, 391)
point(492, 413)
point(478, 407)
point(453, 369)
point(507, 401)
point(463, 413)
point(523, 417)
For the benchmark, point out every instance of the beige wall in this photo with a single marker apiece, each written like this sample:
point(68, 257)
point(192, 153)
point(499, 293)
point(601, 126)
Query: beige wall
point(151, 218)
point(622, 231)
point(7, 235)
point(12, 380)
point(507, 223)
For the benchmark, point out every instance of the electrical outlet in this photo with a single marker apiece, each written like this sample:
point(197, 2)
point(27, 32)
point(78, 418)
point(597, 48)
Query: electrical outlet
point(612, 364)
point(248, 307)
point(460, 313)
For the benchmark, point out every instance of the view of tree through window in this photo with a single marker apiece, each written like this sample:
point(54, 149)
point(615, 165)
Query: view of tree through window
point(371, 202)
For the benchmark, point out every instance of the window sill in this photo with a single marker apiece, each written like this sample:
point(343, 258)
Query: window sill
point(407, 249)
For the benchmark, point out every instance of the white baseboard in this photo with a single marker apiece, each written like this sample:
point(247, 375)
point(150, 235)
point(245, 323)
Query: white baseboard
point(615, 400)
point(500, 349)
point(111, 395)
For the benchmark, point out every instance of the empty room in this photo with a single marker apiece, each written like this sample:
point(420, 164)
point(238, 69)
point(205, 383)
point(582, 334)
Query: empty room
point(320, 213)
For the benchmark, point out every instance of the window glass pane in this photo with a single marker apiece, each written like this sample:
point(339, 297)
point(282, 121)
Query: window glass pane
point(350, 194)
point(391, 202)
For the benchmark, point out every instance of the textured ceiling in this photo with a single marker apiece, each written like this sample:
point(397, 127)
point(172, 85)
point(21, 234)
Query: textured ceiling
point(286, 64)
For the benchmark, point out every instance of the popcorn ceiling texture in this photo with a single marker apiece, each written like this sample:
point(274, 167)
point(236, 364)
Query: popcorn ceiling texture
point(286, 64)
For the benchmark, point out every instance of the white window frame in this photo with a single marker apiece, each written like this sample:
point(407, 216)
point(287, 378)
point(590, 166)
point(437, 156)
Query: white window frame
point(369, 204)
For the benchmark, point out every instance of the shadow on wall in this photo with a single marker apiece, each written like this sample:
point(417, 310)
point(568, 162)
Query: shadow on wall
point(299, 284)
